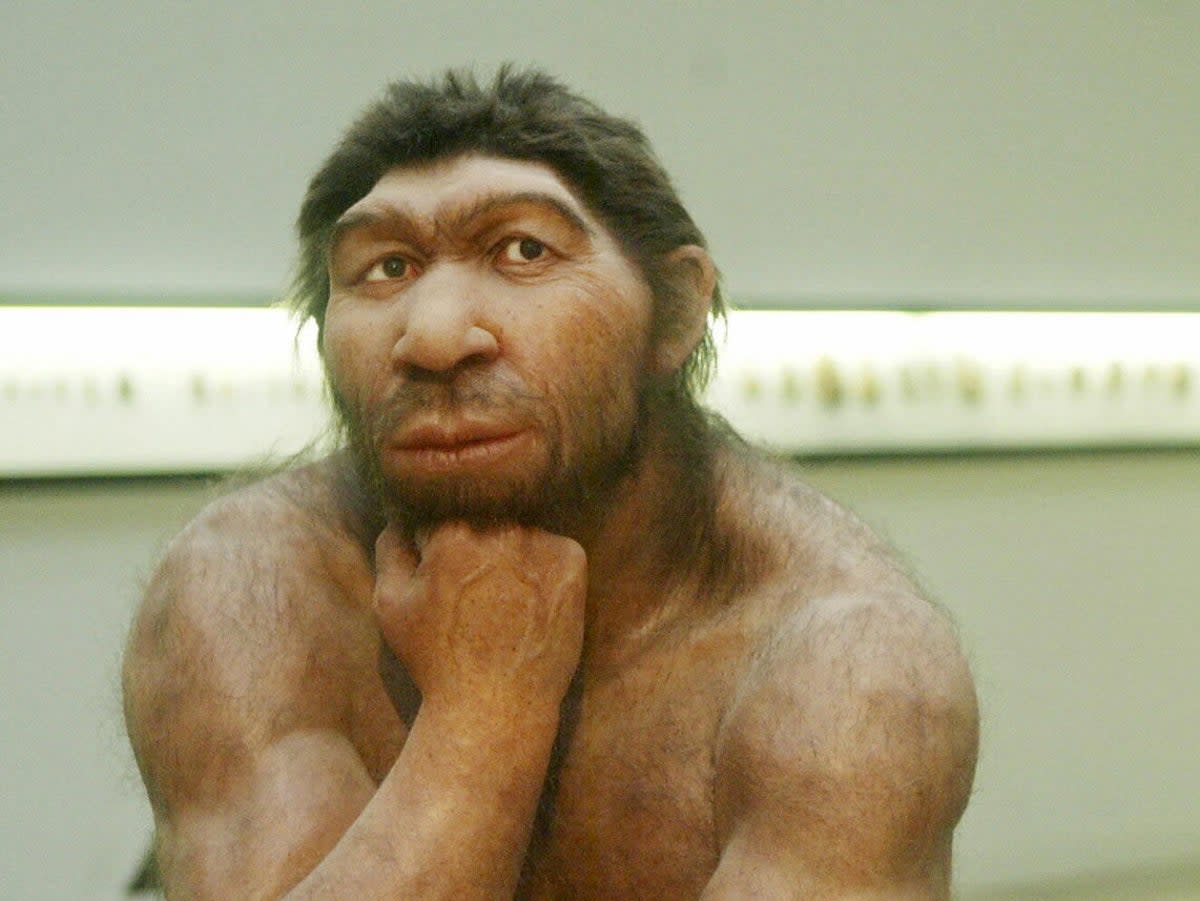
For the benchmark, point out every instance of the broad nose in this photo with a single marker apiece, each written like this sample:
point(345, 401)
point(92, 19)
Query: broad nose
point(441, 329)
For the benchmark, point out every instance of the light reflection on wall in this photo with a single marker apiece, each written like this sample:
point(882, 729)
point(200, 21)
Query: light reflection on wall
point(114, 390)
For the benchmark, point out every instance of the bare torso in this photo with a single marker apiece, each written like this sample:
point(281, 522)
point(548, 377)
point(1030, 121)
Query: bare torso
point(628, 808)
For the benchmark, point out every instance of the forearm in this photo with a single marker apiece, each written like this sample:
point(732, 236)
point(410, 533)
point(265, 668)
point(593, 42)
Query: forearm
point(452, 818)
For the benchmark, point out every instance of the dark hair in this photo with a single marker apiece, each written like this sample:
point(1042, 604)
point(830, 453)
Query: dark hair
point(523, 115)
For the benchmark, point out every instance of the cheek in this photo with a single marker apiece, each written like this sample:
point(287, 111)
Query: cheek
point(592, 364)
point(333, 355)
point(352, 364)
point(605, 317)
point(578, 353)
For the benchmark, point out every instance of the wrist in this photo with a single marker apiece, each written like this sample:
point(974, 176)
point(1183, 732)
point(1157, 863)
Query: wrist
point(493, 718)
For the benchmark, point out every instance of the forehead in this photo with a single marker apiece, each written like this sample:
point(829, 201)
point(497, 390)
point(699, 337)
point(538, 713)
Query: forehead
point(435, 190)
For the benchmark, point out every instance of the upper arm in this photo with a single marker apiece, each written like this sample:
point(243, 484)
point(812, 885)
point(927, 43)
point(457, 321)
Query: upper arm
point(249, 775)
point(848, 756)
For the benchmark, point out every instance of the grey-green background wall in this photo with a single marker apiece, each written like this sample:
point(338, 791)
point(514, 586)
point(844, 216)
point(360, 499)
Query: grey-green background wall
point(978, 151)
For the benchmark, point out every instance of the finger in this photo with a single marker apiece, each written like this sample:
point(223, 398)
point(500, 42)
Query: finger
point(395, 556)
point(421, 538)
point(431, 541)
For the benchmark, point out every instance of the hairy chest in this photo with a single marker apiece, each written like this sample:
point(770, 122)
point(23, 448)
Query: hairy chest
point(628, 809)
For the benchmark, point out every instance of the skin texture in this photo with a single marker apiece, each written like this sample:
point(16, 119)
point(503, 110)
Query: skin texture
point(521, 640)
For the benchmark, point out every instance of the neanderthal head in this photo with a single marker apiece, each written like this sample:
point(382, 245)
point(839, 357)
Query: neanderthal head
point(522, 115)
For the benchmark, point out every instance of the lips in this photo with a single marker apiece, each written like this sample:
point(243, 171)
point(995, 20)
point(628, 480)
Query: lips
point(443, 446)
point(432, 436)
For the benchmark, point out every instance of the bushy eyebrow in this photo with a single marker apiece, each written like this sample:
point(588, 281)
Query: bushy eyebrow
point(401, 216)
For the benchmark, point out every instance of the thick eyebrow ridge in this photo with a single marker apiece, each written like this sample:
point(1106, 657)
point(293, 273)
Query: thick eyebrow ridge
point(352, 220)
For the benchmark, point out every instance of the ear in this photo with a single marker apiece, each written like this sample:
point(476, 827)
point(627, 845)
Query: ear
point(694, 278)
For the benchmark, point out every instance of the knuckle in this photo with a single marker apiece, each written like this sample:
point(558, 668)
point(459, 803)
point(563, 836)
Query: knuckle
point(387, 605)
point(573, 553)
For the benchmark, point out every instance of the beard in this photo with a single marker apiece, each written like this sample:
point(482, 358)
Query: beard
point(591, 438)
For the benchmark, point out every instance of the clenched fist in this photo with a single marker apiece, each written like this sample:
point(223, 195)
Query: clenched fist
point(483, 618)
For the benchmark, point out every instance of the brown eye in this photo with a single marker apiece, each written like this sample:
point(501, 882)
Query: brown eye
point(523, 250)
point(395, 267)
point(530, 249)
point(388, 268)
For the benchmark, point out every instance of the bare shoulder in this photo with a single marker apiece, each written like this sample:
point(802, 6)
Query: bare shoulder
point(244, 668)
point(848, 752)
point(225, 634)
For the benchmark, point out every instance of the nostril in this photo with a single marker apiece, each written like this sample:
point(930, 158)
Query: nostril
point(481, 343)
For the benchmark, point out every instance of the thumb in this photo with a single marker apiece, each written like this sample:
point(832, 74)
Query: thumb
point(396, 556)
point(395, 566)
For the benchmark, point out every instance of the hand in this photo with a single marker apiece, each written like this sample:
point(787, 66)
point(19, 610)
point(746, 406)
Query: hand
point(483, 618)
